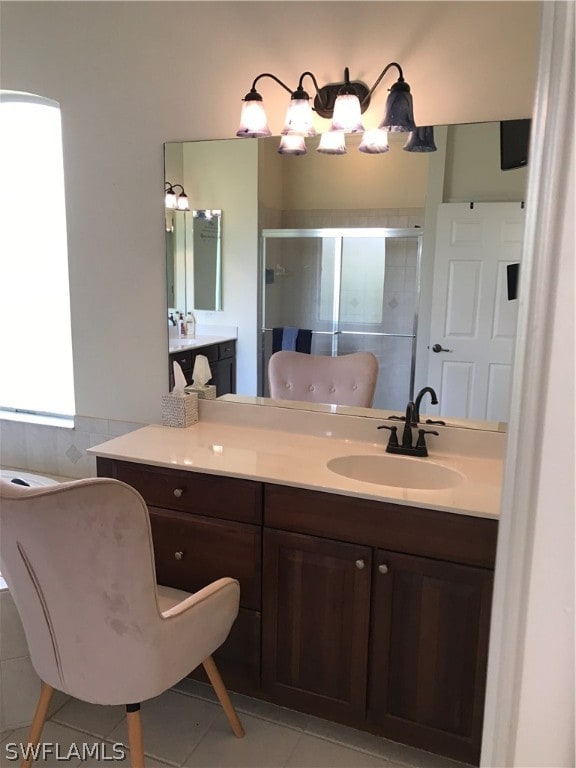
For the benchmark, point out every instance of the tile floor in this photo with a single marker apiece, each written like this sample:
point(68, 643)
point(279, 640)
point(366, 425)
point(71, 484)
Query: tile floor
point(186, 727)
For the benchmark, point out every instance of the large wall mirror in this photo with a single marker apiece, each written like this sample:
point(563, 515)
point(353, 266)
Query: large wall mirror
point(450, 291)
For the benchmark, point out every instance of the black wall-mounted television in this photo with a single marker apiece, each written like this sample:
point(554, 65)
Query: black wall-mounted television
point(514, 143)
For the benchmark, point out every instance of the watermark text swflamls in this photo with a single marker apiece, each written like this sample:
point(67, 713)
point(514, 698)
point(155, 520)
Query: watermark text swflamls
point(99, 750)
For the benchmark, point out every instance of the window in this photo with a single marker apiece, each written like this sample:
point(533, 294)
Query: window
point(35, 334)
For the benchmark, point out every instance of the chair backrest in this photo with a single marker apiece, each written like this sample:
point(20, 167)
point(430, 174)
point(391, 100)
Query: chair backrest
point(78, 560)
point(342, 380)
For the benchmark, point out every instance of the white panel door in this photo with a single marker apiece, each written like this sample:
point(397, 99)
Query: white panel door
point(473, 323)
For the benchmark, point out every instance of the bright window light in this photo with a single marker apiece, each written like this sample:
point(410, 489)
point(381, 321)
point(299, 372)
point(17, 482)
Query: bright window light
point(35, 335)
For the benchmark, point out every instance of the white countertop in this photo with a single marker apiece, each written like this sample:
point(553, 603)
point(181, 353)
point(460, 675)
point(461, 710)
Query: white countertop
point(291, 458)
point(183, 343)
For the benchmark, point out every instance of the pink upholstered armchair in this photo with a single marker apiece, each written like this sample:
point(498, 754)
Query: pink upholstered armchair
point(78, 560)
point(343, 380)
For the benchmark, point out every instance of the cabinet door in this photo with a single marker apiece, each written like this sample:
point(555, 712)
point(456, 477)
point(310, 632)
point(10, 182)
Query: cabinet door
point(191, 551)
point(224, 376)
point(316, 603)
point(428, 653)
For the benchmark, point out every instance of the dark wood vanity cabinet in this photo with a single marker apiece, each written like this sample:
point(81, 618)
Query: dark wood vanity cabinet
point(363, 631)
point(370, 614)
point(221, 358)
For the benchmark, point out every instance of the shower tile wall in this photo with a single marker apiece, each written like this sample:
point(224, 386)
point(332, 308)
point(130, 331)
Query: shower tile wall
point(368, 217)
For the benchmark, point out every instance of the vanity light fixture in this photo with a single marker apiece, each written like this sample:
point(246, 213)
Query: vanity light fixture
point(175, 200)
point(343, 103)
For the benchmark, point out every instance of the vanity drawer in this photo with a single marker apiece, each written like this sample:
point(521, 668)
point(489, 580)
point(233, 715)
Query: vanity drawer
point(210, 353)
point(227, 498)
point(395, 527)
point(191, 551)
point(226, 349)
point(184, 360)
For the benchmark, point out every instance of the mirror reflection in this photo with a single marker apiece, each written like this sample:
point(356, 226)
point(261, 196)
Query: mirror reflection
point(398, 301)
point(194, 260)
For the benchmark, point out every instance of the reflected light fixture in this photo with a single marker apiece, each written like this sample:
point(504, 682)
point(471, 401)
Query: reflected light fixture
point(343, 103)
point(421, 140)
point(175, 200)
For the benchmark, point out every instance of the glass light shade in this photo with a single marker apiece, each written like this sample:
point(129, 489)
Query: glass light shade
point(292, 144)
point(398, 115)
point(299, 118)
point(332, 143)
point(374, 142)
point(183, 203)
point(253, 120)
point(170, 199)
point(346, 116)
point(421, 140)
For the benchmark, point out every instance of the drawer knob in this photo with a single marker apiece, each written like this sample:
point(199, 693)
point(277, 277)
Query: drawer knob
point(178, 555)
point(360, 564)
point(178, 492)
point(383, 568)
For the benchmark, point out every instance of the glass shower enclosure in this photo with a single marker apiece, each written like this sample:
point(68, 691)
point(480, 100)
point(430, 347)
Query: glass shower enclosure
point(355, 288)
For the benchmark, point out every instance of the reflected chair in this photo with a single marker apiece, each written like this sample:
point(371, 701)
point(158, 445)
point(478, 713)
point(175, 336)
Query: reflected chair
point(78, 561)
point(342, 380)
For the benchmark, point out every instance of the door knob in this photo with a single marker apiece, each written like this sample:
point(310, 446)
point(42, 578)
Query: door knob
point(178, 555)
point(440, 348)
point(178, 492)
point(360, 564)
point(383, 568)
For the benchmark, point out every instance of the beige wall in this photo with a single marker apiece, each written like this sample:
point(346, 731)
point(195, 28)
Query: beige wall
point(473, 167)
point(395, 179)
point(131, 75)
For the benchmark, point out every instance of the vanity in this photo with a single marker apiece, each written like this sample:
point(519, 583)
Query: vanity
point(362, 603)
point(220, 352)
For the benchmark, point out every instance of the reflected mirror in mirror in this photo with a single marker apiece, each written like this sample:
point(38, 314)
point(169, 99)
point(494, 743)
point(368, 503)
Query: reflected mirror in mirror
point(194, 260)
point(448, 197)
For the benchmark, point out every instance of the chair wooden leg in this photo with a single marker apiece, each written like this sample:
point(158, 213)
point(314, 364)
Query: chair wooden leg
point(37, 726)
point(135, 741)
point(223, 698)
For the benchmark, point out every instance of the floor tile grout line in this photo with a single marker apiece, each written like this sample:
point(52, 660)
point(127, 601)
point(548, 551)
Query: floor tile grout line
point(302, 730)
point(298, 740)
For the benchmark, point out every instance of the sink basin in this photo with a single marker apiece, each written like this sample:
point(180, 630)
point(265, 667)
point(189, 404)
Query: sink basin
point(397, 471)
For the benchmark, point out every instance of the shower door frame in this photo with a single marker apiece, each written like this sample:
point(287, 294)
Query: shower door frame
point(338, 233)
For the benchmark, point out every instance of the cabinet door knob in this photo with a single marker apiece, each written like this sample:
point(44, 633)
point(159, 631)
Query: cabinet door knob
point(178, 492)
point(178, 555)
point(360, 564)
point(383, 568)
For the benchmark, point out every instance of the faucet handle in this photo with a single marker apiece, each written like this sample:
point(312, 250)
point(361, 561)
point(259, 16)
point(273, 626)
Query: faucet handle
point(421, 442)
point(393, 441)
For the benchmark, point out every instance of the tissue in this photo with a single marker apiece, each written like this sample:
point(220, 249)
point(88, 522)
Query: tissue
point(179, 409)
point(201, 374)
point(179, 379)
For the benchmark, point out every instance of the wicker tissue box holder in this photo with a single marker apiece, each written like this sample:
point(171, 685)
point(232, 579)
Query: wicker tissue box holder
point(179, 410)
point(207, 392)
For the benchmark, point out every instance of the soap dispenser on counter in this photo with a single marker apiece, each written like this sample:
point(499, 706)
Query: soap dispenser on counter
point(191, 325)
